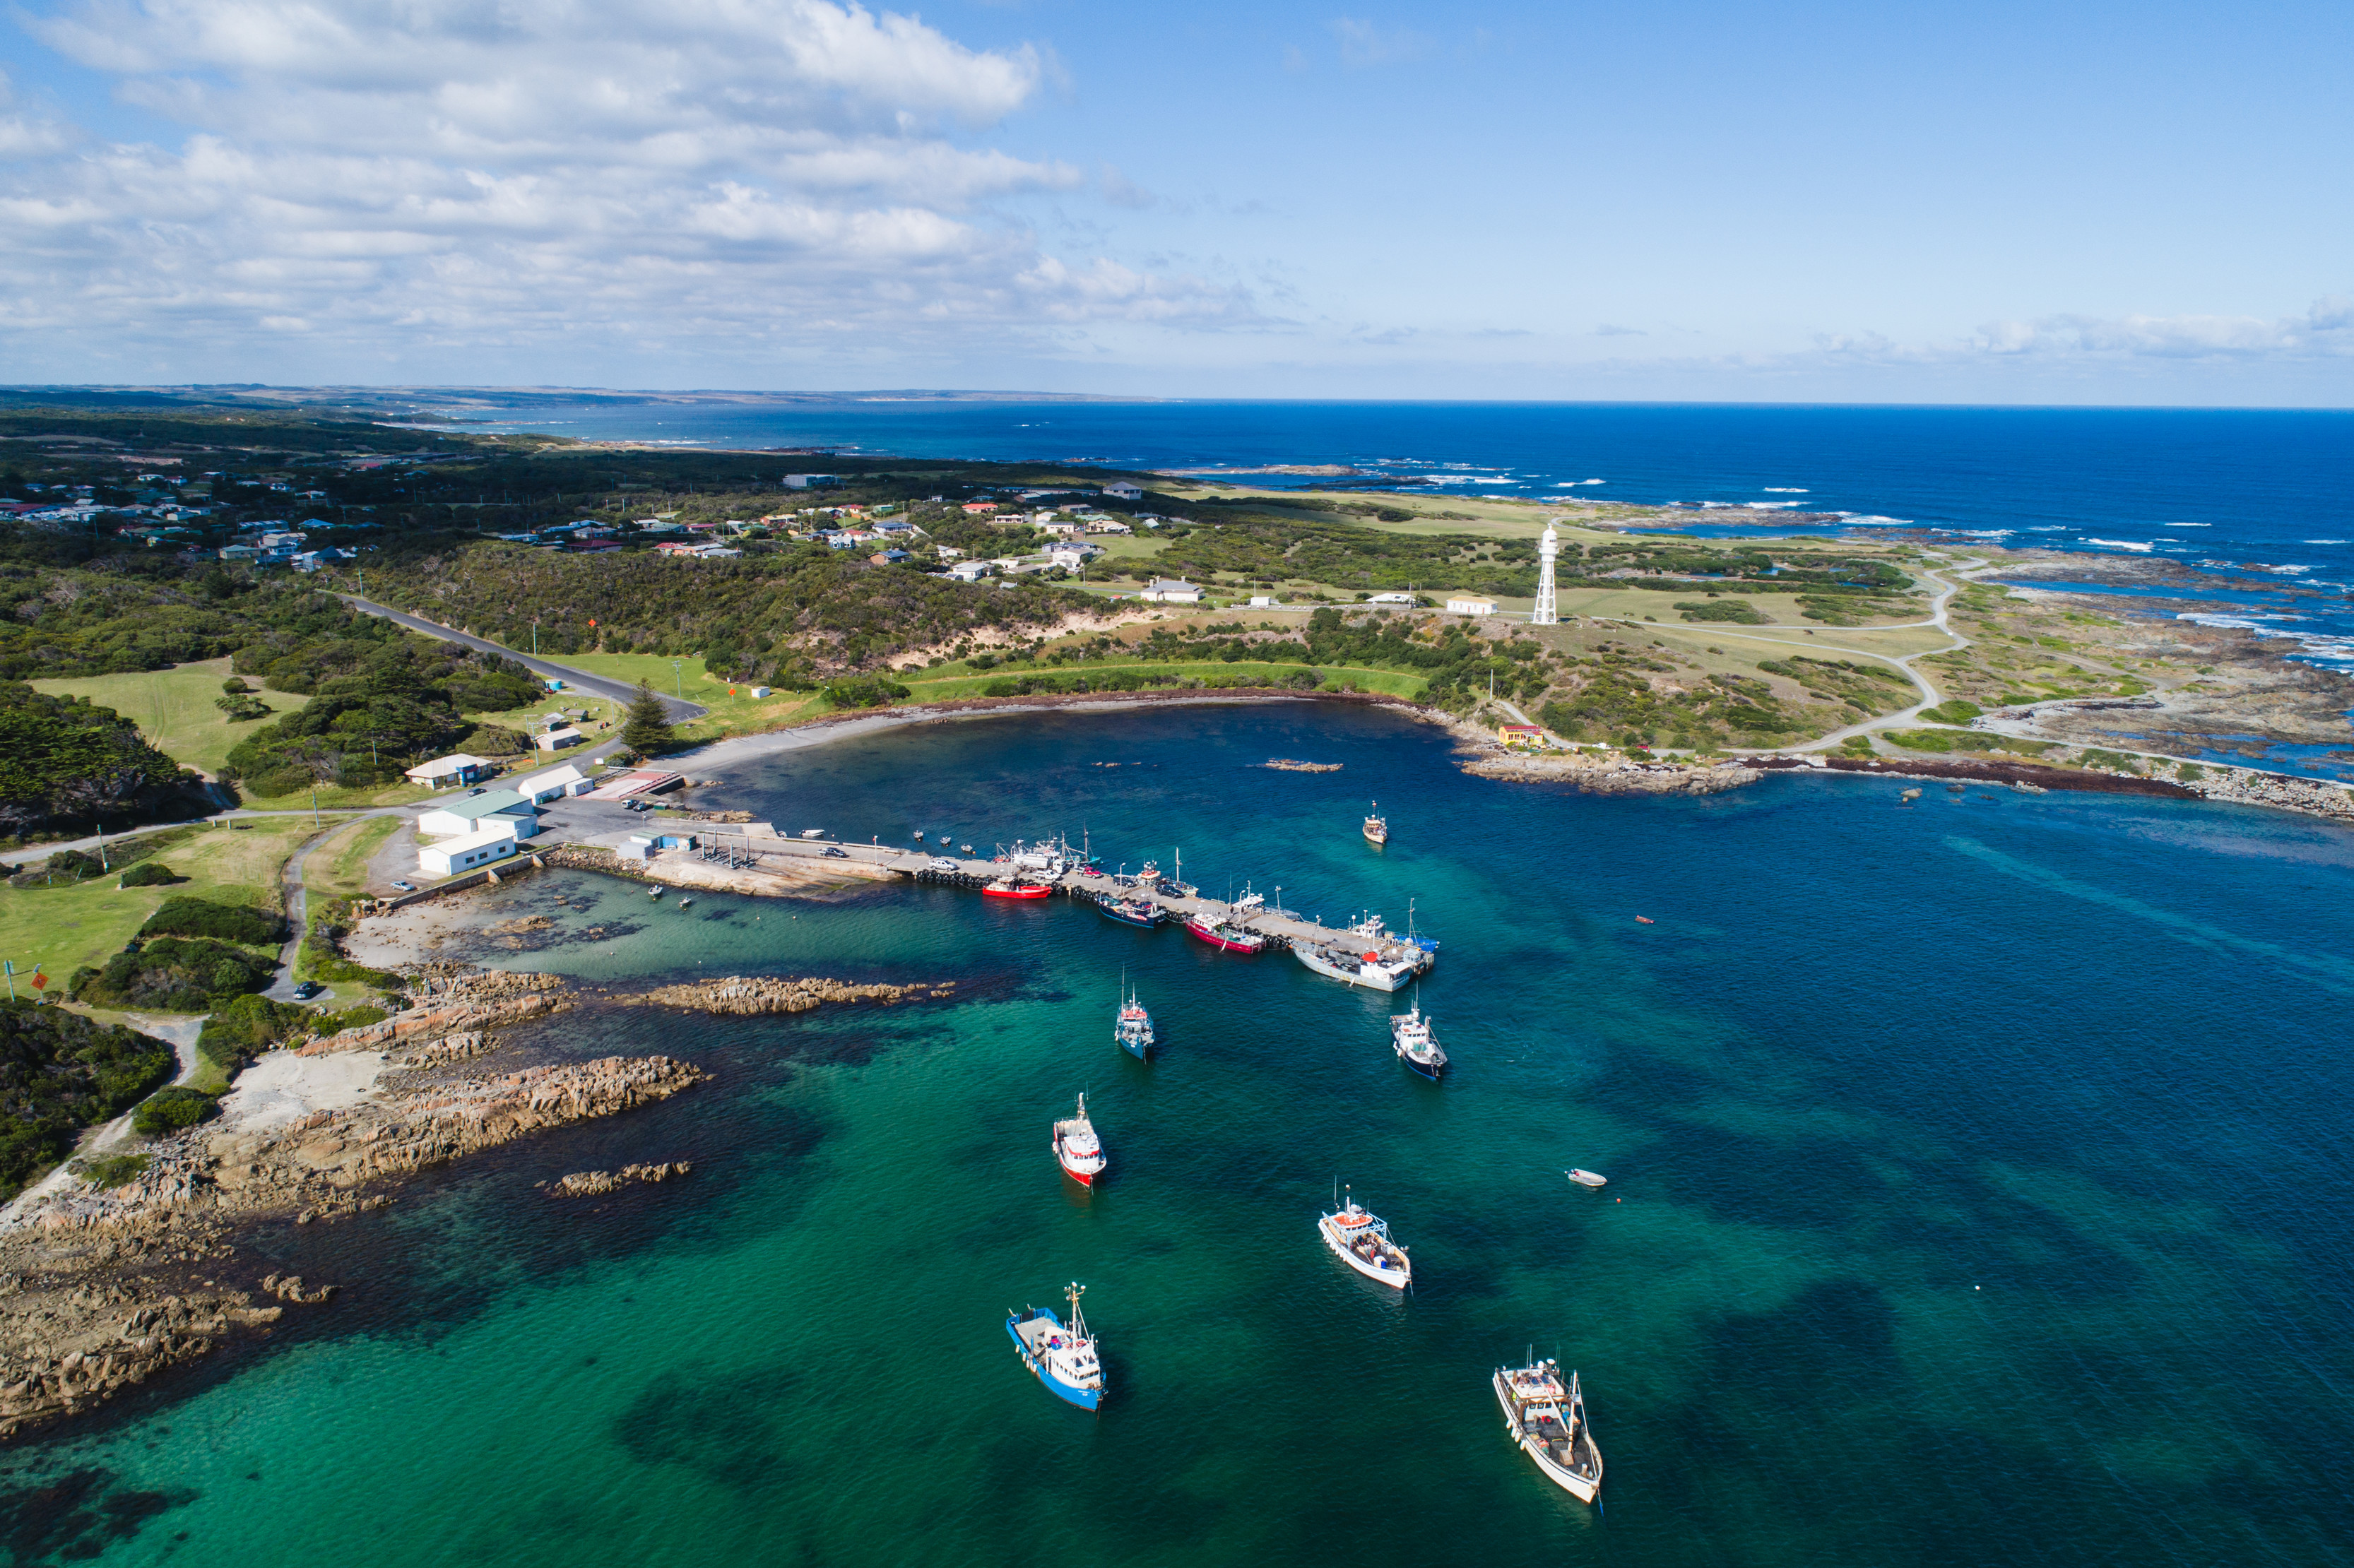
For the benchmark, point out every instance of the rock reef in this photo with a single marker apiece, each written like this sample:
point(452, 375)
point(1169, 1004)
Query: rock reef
point(590, 1183)
point(748, 995)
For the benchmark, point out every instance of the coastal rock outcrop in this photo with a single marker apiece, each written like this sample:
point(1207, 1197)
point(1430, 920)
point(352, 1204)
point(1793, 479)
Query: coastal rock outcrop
point(457, 1000)
point(748, 995)
point(589, 1184)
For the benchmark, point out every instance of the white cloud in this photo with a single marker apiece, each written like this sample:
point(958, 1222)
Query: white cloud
point(2326, 328)
point(392, 176)
point(1364, 43)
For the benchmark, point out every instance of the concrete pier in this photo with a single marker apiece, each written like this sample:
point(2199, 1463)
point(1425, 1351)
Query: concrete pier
point(1281, 928)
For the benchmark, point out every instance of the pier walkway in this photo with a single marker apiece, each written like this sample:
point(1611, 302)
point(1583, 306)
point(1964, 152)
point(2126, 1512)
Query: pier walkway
point(1281, 928)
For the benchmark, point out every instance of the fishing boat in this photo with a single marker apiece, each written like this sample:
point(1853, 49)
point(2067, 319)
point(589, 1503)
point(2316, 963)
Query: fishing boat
point(1415, 1045)
point(1361, 1240)
point(1377, 827)
point(1225, 936)
point(1133, 912)
point(1366, 955)
point(1131, 1029)
point(1062, 1357)
point(1015, 887)
point(964, 849)
point(920, 835)
point(943, 838)
point(1078, 1148)
point(1548, 1422)
point(1586, 1177)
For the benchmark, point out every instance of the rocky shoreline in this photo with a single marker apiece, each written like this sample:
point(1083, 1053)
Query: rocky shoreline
point(95, 1293)
point(747, 996)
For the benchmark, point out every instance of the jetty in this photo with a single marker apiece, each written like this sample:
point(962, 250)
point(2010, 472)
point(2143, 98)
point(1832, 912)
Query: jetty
point(1055, 868)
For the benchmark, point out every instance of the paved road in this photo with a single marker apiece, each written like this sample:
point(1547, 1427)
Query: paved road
point(603, 685)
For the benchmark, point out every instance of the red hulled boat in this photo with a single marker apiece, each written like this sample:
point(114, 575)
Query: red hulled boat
point(1015, 890)
point(1225, 937)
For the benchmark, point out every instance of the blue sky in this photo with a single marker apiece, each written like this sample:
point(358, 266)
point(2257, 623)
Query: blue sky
point(1998, 203)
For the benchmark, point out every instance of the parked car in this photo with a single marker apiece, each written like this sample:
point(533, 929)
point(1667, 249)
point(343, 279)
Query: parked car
point(833, 854)
point(307, 990)
point(405, 886)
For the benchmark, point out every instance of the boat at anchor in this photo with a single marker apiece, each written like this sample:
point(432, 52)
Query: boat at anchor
point(1377, 827)
point(1547, 1422)
point(1361, 1240)
point(1415, 1045)
point(1062, 1356)
point(1131, 1029)
point(1078, 1148)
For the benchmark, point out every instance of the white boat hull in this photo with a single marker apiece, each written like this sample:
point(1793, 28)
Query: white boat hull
point(1584, 1488)
point(1396, 1279)
point(1387, 976)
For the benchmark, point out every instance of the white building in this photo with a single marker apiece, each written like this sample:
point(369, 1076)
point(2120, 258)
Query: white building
point(1165, 590)
point(1123, 490)
point(1265, 601)
point(554, 784)
point(557, 737)
point(1391, 598)
point(971, 571)
point(452, 857)
point(1471, 607)
point(481, 814)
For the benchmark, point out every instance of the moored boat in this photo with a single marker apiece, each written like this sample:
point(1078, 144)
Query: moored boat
point(1225, 936)
point(1015, 888)
point(1131, 1029)
point(1062, 1357)
point(1078, 1148)
point(1548, 1422)
point(1586, 1177)
point(1133, 912)
point(1366, 955)
point(1361, 1240)
point(1377, 827)
point(1416, 1047)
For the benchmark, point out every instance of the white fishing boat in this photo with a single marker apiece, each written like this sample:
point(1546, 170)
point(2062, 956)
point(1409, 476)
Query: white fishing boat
point(1415, 1045)
point(1078, 1148)
point(1361, 1240)
point(1366, 955)
point(1586, 1177)
point(1548, 1422)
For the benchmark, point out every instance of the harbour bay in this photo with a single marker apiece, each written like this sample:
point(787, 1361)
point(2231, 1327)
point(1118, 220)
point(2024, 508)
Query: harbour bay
point(1976, 1190)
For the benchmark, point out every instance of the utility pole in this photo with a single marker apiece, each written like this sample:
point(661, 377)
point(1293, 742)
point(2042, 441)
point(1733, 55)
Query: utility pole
point(314, 805)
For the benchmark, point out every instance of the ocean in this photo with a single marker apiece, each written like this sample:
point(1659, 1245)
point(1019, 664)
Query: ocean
point(2242, 495)
point(1978, 1194)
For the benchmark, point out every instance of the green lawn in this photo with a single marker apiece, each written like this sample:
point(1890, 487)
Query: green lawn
point(734, 715)
point(173, 708)
point(950, 681)
point(338, 868)
point(64, 928)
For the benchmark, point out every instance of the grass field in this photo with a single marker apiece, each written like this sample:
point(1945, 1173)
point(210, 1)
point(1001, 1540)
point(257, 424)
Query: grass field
point(729, 715)
point(338, 868)
point(64, 928)
point(173, 708)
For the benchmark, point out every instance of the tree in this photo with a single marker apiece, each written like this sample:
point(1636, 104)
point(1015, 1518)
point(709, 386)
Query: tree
point(646, 730)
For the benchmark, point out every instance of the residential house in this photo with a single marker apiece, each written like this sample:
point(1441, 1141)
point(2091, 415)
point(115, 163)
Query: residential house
point(1123, 491)
point(1471, 607)
point(458, 767)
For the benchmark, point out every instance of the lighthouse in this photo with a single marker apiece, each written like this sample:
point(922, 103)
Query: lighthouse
point(1547, 548)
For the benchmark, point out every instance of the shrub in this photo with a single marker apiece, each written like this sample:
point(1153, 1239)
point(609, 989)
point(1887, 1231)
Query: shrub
point(1953, 711)
point(222, 922)
point(235, 686)
point(66, 1072)
point(1733, 610)
point(247, 1026)
point(150, 874)
point(497, 740)
point(170, 1110)
point(173, 974)
point(863, 692)
point(243, 706)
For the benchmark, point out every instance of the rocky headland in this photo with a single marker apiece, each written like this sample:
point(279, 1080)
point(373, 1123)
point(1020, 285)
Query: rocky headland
point(750, 995)
point(98, 1287)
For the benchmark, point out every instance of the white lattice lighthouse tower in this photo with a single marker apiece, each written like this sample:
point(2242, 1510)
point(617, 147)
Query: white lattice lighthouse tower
point(1547, 548)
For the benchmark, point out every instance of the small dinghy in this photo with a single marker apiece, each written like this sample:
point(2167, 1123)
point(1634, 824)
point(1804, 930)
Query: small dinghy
point(655, 890)
point(1586, 1178)
point(684, 902)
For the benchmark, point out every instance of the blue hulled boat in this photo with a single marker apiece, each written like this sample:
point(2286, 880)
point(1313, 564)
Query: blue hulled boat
point(1062, 1358)
point(1133, 912)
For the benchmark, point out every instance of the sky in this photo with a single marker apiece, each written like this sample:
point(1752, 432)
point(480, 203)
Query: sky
point(2004, 202)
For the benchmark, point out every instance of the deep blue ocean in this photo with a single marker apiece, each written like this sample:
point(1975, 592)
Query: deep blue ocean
point(2255, 495)
point(1979, 1194)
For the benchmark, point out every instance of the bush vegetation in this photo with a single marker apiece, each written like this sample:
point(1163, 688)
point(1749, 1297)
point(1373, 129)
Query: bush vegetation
point(173, 974)
point(66, 763)
point(61, 1072)
point(223, 922)
point(169, 1110)
point(150, 874)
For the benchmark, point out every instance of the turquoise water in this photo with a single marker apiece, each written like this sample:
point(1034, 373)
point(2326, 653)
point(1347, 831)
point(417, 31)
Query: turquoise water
point(1978, 1192)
